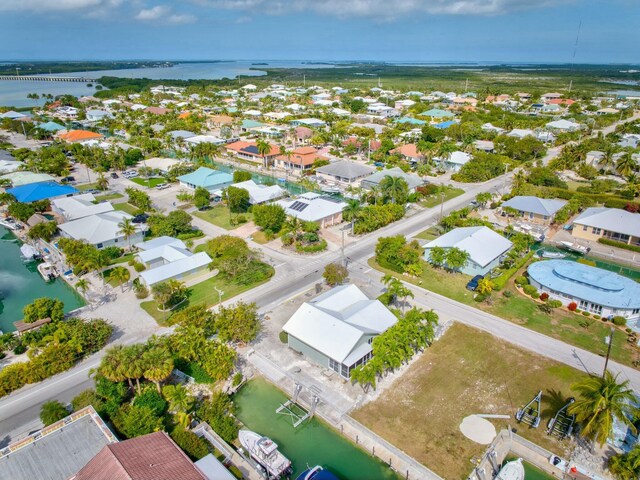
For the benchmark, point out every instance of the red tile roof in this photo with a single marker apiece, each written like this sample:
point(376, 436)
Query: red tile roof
point(150, 457)
point(157, 110)
point(239, 146)
point(79, 136)
point(304, 156)
point(408, 150)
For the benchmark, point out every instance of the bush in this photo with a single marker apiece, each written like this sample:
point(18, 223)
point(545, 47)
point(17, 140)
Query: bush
point(554, 303)
point(133, 421)
point(335, 273)
point(139, 267)
point(217, 411)
point(586, 314)
point(614, 243)
point(240, 219)
point(619, 321)
point(313, 247)
point(283, 336)
point(544, 296)
point(52, 411)
point(572, 307)
point(522, 280)
point(481, 297)
point(237, 379)
point(150, 398)
point(501, 281)
point(597, 317)
point(545, 307)
point(507, 293)
point(19, 349)
point(193, 445)
point(530, 290)
point(86, 398)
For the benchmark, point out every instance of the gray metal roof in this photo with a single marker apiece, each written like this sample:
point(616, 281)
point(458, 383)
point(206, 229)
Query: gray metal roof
point(611, 219)
point(481, 243)
point(375, 178)
point(346, 169)
point(539, 206)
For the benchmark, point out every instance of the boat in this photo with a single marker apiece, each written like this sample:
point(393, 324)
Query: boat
point(512, 471)
point(8, 225)
point(329, 189)
point(550, 254)
point(316, 473)
point(46, 271)
point(29, 253)
point(575, 247)
point(265, 451)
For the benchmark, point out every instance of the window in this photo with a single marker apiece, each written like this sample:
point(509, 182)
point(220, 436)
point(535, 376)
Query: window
point(584, 228)
point(583, 305)
point(596, 230)
point(333, 365)
point(594, 308)
point(99, 245)
point(635, 311)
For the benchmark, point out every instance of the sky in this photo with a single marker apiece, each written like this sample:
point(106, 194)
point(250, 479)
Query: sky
point(608, 31)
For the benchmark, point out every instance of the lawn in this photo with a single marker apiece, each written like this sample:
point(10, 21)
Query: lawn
point(260, 237)
point(436, 199)
point(430, 233)
point(151, 182)
point(220, 216)
point(201, 293)
point(456, 378)
point(110, 279)
point(574, 329)
point(126, 207)
point(108, 196)
point(123, 258)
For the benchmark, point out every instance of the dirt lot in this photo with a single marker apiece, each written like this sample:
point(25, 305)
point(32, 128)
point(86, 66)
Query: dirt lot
point(466, 372)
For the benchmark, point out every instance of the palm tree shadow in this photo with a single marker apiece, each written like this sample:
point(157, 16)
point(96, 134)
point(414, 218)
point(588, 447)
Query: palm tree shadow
point(553, 401)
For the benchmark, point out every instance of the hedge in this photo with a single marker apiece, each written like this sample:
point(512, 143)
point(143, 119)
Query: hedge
point(530, 290)
point(615, 243)
point(501, 281)
point(611, 201)
point(313, 247)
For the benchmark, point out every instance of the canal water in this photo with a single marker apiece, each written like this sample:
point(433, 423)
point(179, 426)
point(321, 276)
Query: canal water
point(313, 443)
point(21, 284)
point(612, 267)
point(291, 187)
point(533, 473)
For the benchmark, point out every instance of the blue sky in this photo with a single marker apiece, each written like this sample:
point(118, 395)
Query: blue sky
point(381, 30)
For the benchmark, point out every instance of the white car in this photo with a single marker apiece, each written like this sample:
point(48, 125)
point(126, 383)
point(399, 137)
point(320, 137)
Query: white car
point(162, 186)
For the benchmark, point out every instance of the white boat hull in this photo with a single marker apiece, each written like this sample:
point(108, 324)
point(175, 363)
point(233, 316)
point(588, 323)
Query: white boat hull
point(265, 452)
point(512, 471)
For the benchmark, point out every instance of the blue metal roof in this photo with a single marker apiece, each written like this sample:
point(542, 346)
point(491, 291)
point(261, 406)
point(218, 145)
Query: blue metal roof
point(588, 283)
point(446, 124)
point(412, 121)
point(39, 191)
point(206, 178)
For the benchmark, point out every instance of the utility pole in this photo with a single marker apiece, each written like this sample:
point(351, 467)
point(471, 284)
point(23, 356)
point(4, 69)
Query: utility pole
point(504, 181)
point(220, 293)
point(344, 262)
point(606, 361)
point(441, 201)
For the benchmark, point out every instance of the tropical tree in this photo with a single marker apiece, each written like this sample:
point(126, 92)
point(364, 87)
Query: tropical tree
point(112, 365)
point(52, 411)
point(121, 276)
point(625, 165)
point(601, 401)
point(607, 161)
point(82, 285)
point(456, 259)
point(335, 273)
point(350, 212)
point(626, 466)
point(158, 364)
point(178, 397)
point(201, 198)
point(264, 149)
point(437, 256)
point(394, 189)
point(134, 362)
point(101, 182)
point(127, 229)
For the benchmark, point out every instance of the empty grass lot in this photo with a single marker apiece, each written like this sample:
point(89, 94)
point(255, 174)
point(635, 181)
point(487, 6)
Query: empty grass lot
point(436, 198)
point(574, 329)
point(465, 372)
point(126, 207)
point(150, 183)
point(108, 196)
point(220, 216)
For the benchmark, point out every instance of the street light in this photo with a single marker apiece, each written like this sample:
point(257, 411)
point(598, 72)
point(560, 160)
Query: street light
point(220, 294)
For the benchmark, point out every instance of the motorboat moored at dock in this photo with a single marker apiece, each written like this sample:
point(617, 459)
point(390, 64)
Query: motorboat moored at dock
point(265, 452)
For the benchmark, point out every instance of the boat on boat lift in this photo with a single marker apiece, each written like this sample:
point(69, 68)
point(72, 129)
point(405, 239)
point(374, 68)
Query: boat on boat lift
point(316, 473)
point(550, 254)
point(512, 471)
point(575, 247)
point(47, 271)
point(265, 452)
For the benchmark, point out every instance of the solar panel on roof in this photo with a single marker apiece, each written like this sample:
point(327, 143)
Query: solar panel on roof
point(251, 149)
point(298, 206)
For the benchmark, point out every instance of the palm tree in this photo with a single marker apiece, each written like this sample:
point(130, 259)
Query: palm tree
point(350, 212)
point(134, 365)
point(127, 229)
point(112, 365)
point(607, 161)
point(121, 275)
point(264, 148)
point(158, 364)
point(394, 188)
point(602, 400)
point(625, 165)
point(101, 182)
point(178, 398)
point(82, 285)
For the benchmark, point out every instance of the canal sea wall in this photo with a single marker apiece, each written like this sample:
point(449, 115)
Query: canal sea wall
point(406, 466)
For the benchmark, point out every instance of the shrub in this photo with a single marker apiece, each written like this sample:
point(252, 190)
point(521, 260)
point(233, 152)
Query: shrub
point(52, 411)
point(139, 267)
point(597, 317)
point(554, 303)
point(573, 306)
point(586, 314)
point(522, 280)
point(283, 336)
point(237, 379)
point(312, 248)
point(335, 273)
point(19, 349)
point(545, 307)
point(530, 290)
point(193, 445)
point(501, 281)
point(241, 219)
point(481, 297)
point(507, 293)
point(619, 321)
point(614, 243)
point(150, 398)
point(133, 421)
point(86, 398)
point(544, 296)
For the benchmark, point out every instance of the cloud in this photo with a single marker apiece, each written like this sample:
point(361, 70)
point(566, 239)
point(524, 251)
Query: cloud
point(57, 5)
point(381, 9)
point(163, 14)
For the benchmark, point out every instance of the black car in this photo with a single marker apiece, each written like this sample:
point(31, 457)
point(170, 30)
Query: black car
point(68, 179)
point(473, 283)
point(141, 218)
point(114, 175)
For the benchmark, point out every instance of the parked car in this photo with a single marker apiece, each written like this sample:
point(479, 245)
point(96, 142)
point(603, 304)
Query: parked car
point(68, 179)
point(141, 218)
point(162, 186)
point(114, 175)
point(473, 283)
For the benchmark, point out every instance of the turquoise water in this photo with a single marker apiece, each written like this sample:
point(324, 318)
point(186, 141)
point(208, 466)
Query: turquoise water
point(313, 443)
point(291, 187)
point(20, 284)
point(612, 267)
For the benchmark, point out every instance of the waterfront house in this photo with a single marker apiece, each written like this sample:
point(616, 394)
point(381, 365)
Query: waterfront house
point(79, 136)
point(207, 178)
point(534, 209)
point(485, 247)
point(301, 159)
point(610, 223)
point(79, 206)
point(336, 329)
point(344, 172)
point(33, 192)
point(313, 207)
point(102, 230)
point(249, 151)
point(261, 193)
point(24, 177)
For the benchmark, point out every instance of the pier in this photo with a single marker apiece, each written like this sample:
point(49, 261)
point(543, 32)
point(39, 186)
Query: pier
point(43, 78)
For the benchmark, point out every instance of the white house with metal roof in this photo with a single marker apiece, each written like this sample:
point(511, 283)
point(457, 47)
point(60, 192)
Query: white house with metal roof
point(344, 172)
point(534, 209)
point(79, 206)
point(102, 230)
point(336, 329)
point(485, 247)
point(259, 193)
point(169, 258)
point(373, 180)
point(313, 207)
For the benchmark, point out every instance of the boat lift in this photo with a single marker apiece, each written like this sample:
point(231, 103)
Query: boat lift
point(530, 413)
point(292, 408)
point(561, 425)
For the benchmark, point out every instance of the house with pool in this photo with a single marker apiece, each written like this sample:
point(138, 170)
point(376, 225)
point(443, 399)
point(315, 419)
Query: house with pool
point(593, 289)
point(336, 329)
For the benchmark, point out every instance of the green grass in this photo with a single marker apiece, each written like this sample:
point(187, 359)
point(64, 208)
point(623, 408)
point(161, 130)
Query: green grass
point(260, 237)
point(108, 277)
point(456, 377)
point(584, 332)
point(193, 370)
point(108, 196)
point(151, 182)
point(220, 216)
point(87, 186)
point(126, 207)
point(436, 199)
point(430, 233)
point(123, 259)
point(203, 293)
